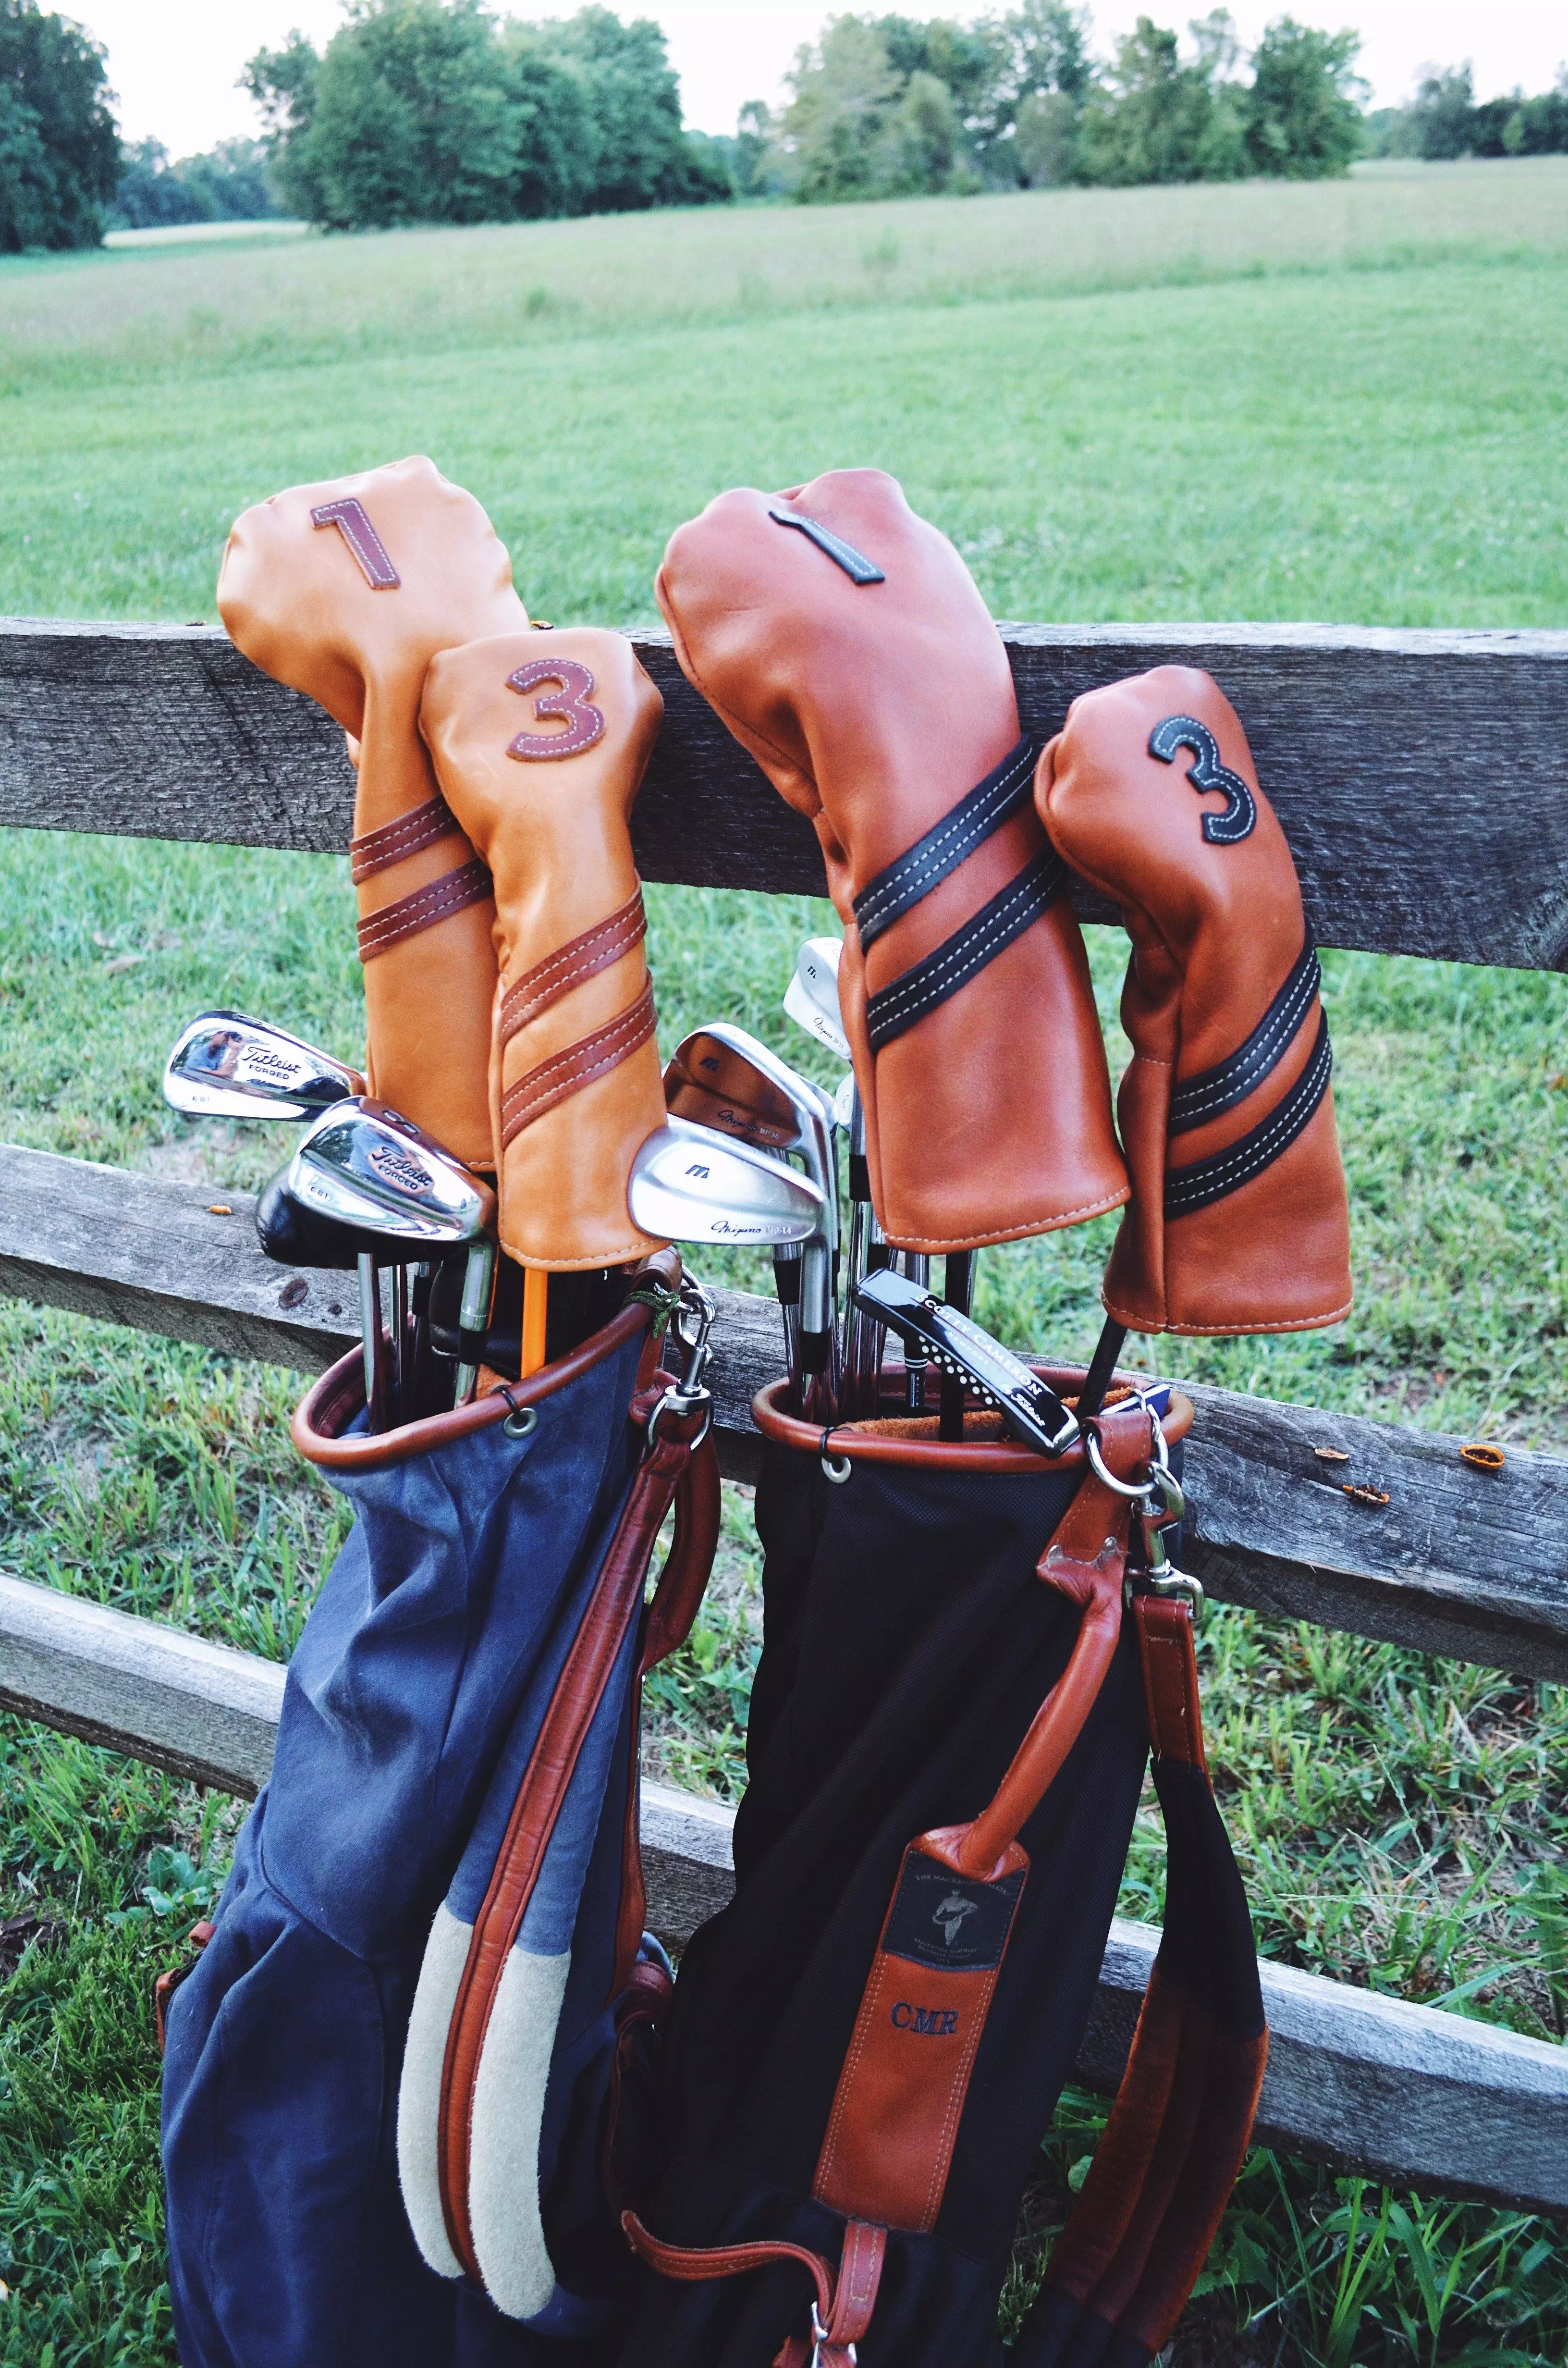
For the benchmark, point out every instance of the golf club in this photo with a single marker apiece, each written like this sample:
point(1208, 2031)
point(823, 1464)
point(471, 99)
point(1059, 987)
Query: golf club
point(381, 1177)
point(226, 1065)
point(689, 1184)
point(746, 1088)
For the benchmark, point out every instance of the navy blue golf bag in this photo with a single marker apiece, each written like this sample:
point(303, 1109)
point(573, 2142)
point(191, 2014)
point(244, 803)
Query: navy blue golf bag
point(426, 2000)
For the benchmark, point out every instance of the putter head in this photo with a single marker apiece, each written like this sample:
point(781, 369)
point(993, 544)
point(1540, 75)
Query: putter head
point(225, 1065)
point(811, 1000)
point(691, 1185)
point(386, 1182)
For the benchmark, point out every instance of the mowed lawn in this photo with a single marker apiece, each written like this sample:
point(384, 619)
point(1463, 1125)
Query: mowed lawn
point(1340, 403)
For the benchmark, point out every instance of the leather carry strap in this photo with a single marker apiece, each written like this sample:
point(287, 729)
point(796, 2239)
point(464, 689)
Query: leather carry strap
point(583, 957)
point(896, 1008)
point(1162, 2174)
point(1213, 1091)
point(422, 826)
point(842, 2303)
point(579, 1691)
point(901, 2095)
point(1007, 789)
point(469, 884)
point(549, 1082)
point(1207, 1181)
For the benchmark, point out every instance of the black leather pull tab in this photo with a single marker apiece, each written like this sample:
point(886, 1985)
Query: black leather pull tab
point(854, 563)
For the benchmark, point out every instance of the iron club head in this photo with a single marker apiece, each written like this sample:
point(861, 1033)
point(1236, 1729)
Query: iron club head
point(691, 1185)
point(226, 1065)
point(811, 1000)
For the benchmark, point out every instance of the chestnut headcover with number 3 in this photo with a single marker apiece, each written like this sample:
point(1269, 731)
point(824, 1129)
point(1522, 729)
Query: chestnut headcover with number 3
point(539, 741)
point(1238, 1221)
point(844, 643)
point(346, 590)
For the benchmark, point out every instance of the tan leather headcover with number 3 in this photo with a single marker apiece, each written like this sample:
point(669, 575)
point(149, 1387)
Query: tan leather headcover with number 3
point(346, 590)
point(872, 686)
point(540, 742)
point(1238, 1221)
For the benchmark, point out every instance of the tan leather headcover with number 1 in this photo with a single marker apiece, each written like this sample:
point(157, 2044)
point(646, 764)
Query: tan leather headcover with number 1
point(346, 590)
point(540, 742)
point(1238, 1221)
point(844, 642)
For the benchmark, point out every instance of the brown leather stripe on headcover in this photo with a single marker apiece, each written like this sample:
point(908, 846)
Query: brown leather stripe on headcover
point(580, 958)
point(567, 1072)
point(469, 884)
point(378, 851)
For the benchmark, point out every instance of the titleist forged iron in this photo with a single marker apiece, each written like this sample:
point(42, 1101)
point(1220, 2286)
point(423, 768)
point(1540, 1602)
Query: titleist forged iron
point(226, 1065)
point(722, 1077)
point(405, 1200)
point(689, 1184)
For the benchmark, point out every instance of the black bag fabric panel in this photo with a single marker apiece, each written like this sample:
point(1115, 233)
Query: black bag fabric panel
point(908, 1643)
point(1207, 1946)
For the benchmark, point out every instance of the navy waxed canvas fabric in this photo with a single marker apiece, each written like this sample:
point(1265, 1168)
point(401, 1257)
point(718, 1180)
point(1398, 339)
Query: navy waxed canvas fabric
point(425, 1663)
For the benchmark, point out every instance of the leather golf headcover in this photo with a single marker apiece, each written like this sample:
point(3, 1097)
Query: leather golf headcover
point(346, 590)
point(539, 741)
point(1238, 1221)
point(844, 644)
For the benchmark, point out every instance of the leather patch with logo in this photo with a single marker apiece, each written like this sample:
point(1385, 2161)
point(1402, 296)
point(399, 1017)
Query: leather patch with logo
point(901, 2094)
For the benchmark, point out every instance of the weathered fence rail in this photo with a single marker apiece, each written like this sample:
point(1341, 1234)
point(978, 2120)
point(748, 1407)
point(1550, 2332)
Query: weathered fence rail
point(1422, 778)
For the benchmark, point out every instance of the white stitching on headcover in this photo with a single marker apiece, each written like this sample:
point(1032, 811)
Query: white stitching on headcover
point(1274, 1034)
point(869, 903)
point(916, 989)
point(1276, 1135)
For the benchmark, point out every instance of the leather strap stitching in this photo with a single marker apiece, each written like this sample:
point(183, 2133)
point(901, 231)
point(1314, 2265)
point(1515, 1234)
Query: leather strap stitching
point(896, 1008)
point(422, 826)
point(580, 958)
point(1207, 1181)
point(1005, 791)
point(469, 884)
point(567, 1072)
point(1215, 1090)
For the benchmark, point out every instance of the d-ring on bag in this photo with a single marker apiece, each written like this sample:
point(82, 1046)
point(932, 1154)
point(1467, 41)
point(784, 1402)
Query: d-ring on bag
point(459, 1726)
point(948, 1731)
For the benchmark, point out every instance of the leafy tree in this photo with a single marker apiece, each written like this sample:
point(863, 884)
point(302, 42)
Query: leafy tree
point(228, 183)
point(1154, 119)
point(59, 147)
point(843, 93)
point(283, 84)
point(1441, 114)
point(1024, 125)
point(1302, 119)
point(643, 157)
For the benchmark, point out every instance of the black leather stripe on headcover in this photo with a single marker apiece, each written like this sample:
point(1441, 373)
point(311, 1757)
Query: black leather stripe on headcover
point(1215, 1090)
point(1005, 791)
point(952, 964)
point(1207, 1180)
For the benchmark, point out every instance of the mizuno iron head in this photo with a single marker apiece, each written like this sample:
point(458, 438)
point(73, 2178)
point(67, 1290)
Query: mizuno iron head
point(225, 1065)
point(689, 1184)
point(811, 1000)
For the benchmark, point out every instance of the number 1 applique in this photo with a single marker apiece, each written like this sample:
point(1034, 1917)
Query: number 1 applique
point(349, 517)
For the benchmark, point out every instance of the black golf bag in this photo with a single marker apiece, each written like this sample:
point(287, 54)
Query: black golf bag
point(948, 1733)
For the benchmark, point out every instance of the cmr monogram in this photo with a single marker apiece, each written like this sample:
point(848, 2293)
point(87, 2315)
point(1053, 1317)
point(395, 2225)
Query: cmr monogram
point(349, 517)
point(585, 722)
point(1235, 819)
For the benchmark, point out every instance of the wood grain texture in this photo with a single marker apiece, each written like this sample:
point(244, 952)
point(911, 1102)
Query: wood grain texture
point(1369, 2083)
point(1456, 1562)
point(1420, 776)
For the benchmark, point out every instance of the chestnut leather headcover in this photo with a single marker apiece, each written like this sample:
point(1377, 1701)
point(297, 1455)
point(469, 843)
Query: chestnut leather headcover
point(1238, 1221)
point(539, 741)
point(346, 590)
point(844, 643)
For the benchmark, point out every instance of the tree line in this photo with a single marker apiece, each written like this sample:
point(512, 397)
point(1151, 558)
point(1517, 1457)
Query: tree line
point(440, 110)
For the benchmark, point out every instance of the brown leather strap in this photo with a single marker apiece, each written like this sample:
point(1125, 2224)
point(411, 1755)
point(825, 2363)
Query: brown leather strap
point(567, 1072)
point(422, 826)
point(569, 965)
point(845, 2300)
point(1170, 1679)
point(170, 1980)
point(578, 1693)
point(469, 884)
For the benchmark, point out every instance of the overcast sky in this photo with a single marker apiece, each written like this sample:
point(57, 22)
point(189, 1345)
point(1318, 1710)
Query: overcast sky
point(174, 62)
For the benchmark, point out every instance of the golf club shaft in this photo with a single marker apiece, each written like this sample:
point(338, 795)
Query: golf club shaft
point(400, 1340)
point(957, 1283)
point(374, 1349)
point(1102, 1367)
point(787, 1261)
point(918, 1267)
point(473, 1317)
point(536, 1311)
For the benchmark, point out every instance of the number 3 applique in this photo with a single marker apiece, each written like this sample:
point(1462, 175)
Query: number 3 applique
point(1235, 819)
point(585, 722)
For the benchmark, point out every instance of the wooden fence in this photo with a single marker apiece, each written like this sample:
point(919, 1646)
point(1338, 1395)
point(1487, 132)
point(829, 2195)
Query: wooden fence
point(1422, 778)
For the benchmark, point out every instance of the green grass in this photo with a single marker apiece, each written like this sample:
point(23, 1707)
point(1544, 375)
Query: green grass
point(1340, 403)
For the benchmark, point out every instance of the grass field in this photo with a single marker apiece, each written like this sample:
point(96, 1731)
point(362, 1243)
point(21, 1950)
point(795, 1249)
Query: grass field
point(1340, 403)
